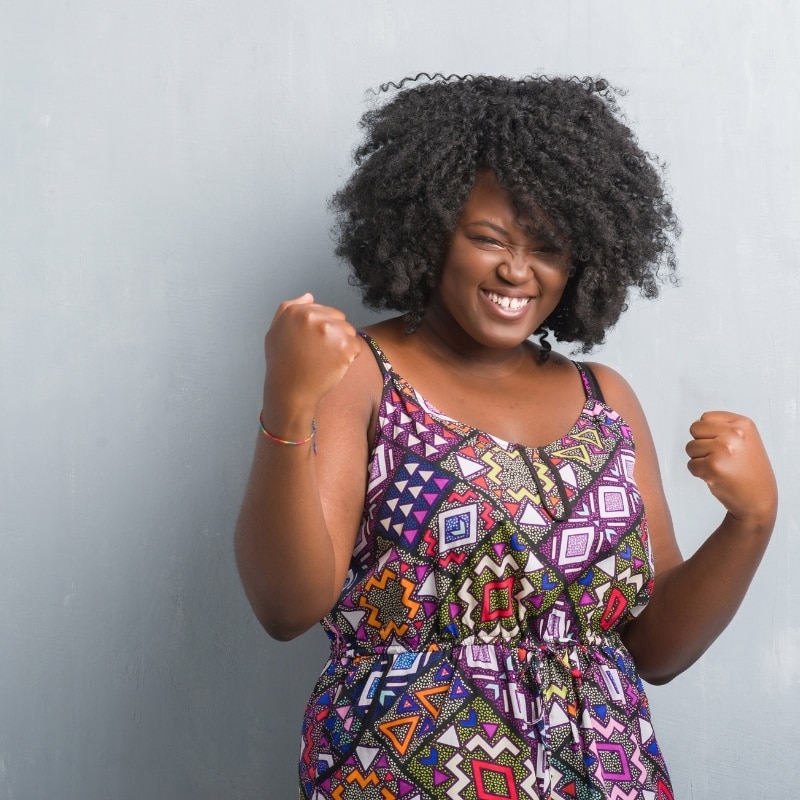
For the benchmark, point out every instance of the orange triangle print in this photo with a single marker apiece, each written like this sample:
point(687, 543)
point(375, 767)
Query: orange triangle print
point(409, 723)
point(410, 405)
point(511, 507)
point(424, 694)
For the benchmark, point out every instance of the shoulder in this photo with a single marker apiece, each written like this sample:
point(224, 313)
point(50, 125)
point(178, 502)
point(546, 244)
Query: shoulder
point(359, 393)
point(611, 382)
point(620, 397)
point(392, 344)
point(387, 331)
point(362, 389)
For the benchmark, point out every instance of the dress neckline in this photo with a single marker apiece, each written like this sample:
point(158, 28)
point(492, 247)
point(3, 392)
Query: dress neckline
point(386, 367)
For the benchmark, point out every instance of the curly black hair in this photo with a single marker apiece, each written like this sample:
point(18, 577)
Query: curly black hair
point(557, 145)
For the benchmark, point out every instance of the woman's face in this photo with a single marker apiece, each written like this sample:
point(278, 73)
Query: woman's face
point(498, 282)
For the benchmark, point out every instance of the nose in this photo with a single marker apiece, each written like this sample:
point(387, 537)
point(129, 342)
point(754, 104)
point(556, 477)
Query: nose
point(516, 266)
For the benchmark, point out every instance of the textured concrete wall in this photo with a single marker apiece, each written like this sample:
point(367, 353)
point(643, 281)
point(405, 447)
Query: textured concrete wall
point(164, 169)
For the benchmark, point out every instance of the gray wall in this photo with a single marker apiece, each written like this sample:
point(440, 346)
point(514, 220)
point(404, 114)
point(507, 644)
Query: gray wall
point(164, 167)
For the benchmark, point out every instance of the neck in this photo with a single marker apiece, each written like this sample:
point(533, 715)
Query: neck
point(464, 353)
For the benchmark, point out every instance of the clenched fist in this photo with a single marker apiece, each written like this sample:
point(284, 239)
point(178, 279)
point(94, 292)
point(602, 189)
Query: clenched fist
point(309, 348)
point(727, 453)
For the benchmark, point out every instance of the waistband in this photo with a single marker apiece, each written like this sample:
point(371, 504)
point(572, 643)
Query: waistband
point(349, 650)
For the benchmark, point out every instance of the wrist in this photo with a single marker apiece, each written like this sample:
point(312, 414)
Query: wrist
point(755, 523)
point(286, 417)
point(296, 433)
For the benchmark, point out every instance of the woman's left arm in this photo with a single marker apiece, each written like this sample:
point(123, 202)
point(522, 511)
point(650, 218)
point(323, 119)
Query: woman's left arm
point(693, 600)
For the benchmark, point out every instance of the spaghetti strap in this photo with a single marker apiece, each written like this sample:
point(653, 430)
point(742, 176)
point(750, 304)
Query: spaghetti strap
point(590, 383)
point(380, 356)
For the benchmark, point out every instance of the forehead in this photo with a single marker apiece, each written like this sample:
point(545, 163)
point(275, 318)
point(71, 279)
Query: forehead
point(486, 192)
point(488, 201)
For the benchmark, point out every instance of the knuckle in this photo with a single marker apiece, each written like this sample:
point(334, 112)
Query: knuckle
point(329, 329)
point(740, 429)
point(293, 313)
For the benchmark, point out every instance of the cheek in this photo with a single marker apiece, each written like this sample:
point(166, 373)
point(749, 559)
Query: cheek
point(556, 292)
point(557, 284)
point(458, 275)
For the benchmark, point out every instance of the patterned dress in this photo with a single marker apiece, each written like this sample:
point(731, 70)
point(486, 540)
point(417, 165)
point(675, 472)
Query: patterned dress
point(475, 652)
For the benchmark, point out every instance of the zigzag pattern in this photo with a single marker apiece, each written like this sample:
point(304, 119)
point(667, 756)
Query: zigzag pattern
point(475, 653)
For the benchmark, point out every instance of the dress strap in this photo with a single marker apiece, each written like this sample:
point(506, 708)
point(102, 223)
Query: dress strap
point(380, 356)
point(590, 383)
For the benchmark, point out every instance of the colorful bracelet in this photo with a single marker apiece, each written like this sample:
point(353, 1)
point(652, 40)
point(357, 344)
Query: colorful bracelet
point(289, 441)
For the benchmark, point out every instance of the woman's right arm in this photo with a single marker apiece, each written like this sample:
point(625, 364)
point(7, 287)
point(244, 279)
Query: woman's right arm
point(302, 509)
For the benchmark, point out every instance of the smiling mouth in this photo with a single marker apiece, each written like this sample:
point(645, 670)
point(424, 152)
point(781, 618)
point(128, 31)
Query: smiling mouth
point(509, 303)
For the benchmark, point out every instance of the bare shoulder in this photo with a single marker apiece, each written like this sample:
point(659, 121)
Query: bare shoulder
point(618, 393)
point(396, 343)
point(389, 332)
point(621, 398)
point(368, 373)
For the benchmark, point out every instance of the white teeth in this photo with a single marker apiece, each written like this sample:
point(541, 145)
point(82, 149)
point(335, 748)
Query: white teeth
point(511, 303)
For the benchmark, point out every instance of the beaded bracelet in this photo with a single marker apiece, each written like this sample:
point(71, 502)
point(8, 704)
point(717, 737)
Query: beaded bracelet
point(289, 441)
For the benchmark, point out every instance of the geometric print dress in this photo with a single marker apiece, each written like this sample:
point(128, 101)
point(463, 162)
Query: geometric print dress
point(475, 652)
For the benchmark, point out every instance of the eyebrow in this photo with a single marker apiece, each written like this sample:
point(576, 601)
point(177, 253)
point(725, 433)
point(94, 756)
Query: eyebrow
point(488, 224)
point(540, 235)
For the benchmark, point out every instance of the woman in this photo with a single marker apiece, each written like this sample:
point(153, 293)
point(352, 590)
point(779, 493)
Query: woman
point(492, 601)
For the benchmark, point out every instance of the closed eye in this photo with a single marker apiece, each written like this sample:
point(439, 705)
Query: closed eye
point(486, 240)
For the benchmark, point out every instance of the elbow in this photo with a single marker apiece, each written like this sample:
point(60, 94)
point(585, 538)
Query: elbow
point(281, 623)
point(280, 634)
point(668, 668)
point(655, 663)
point(658, 679)
point(659, 668)
point(284, 608)
point(283, 630)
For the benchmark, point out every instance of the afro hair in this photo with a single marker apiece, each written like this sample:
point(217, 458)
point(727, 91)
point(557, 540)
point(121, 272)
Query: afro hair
point(557, 145)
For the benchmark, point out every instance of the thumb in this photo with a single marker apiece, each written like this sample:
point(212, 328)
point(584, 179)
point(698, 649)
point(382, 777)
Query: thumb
point(304, 299)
